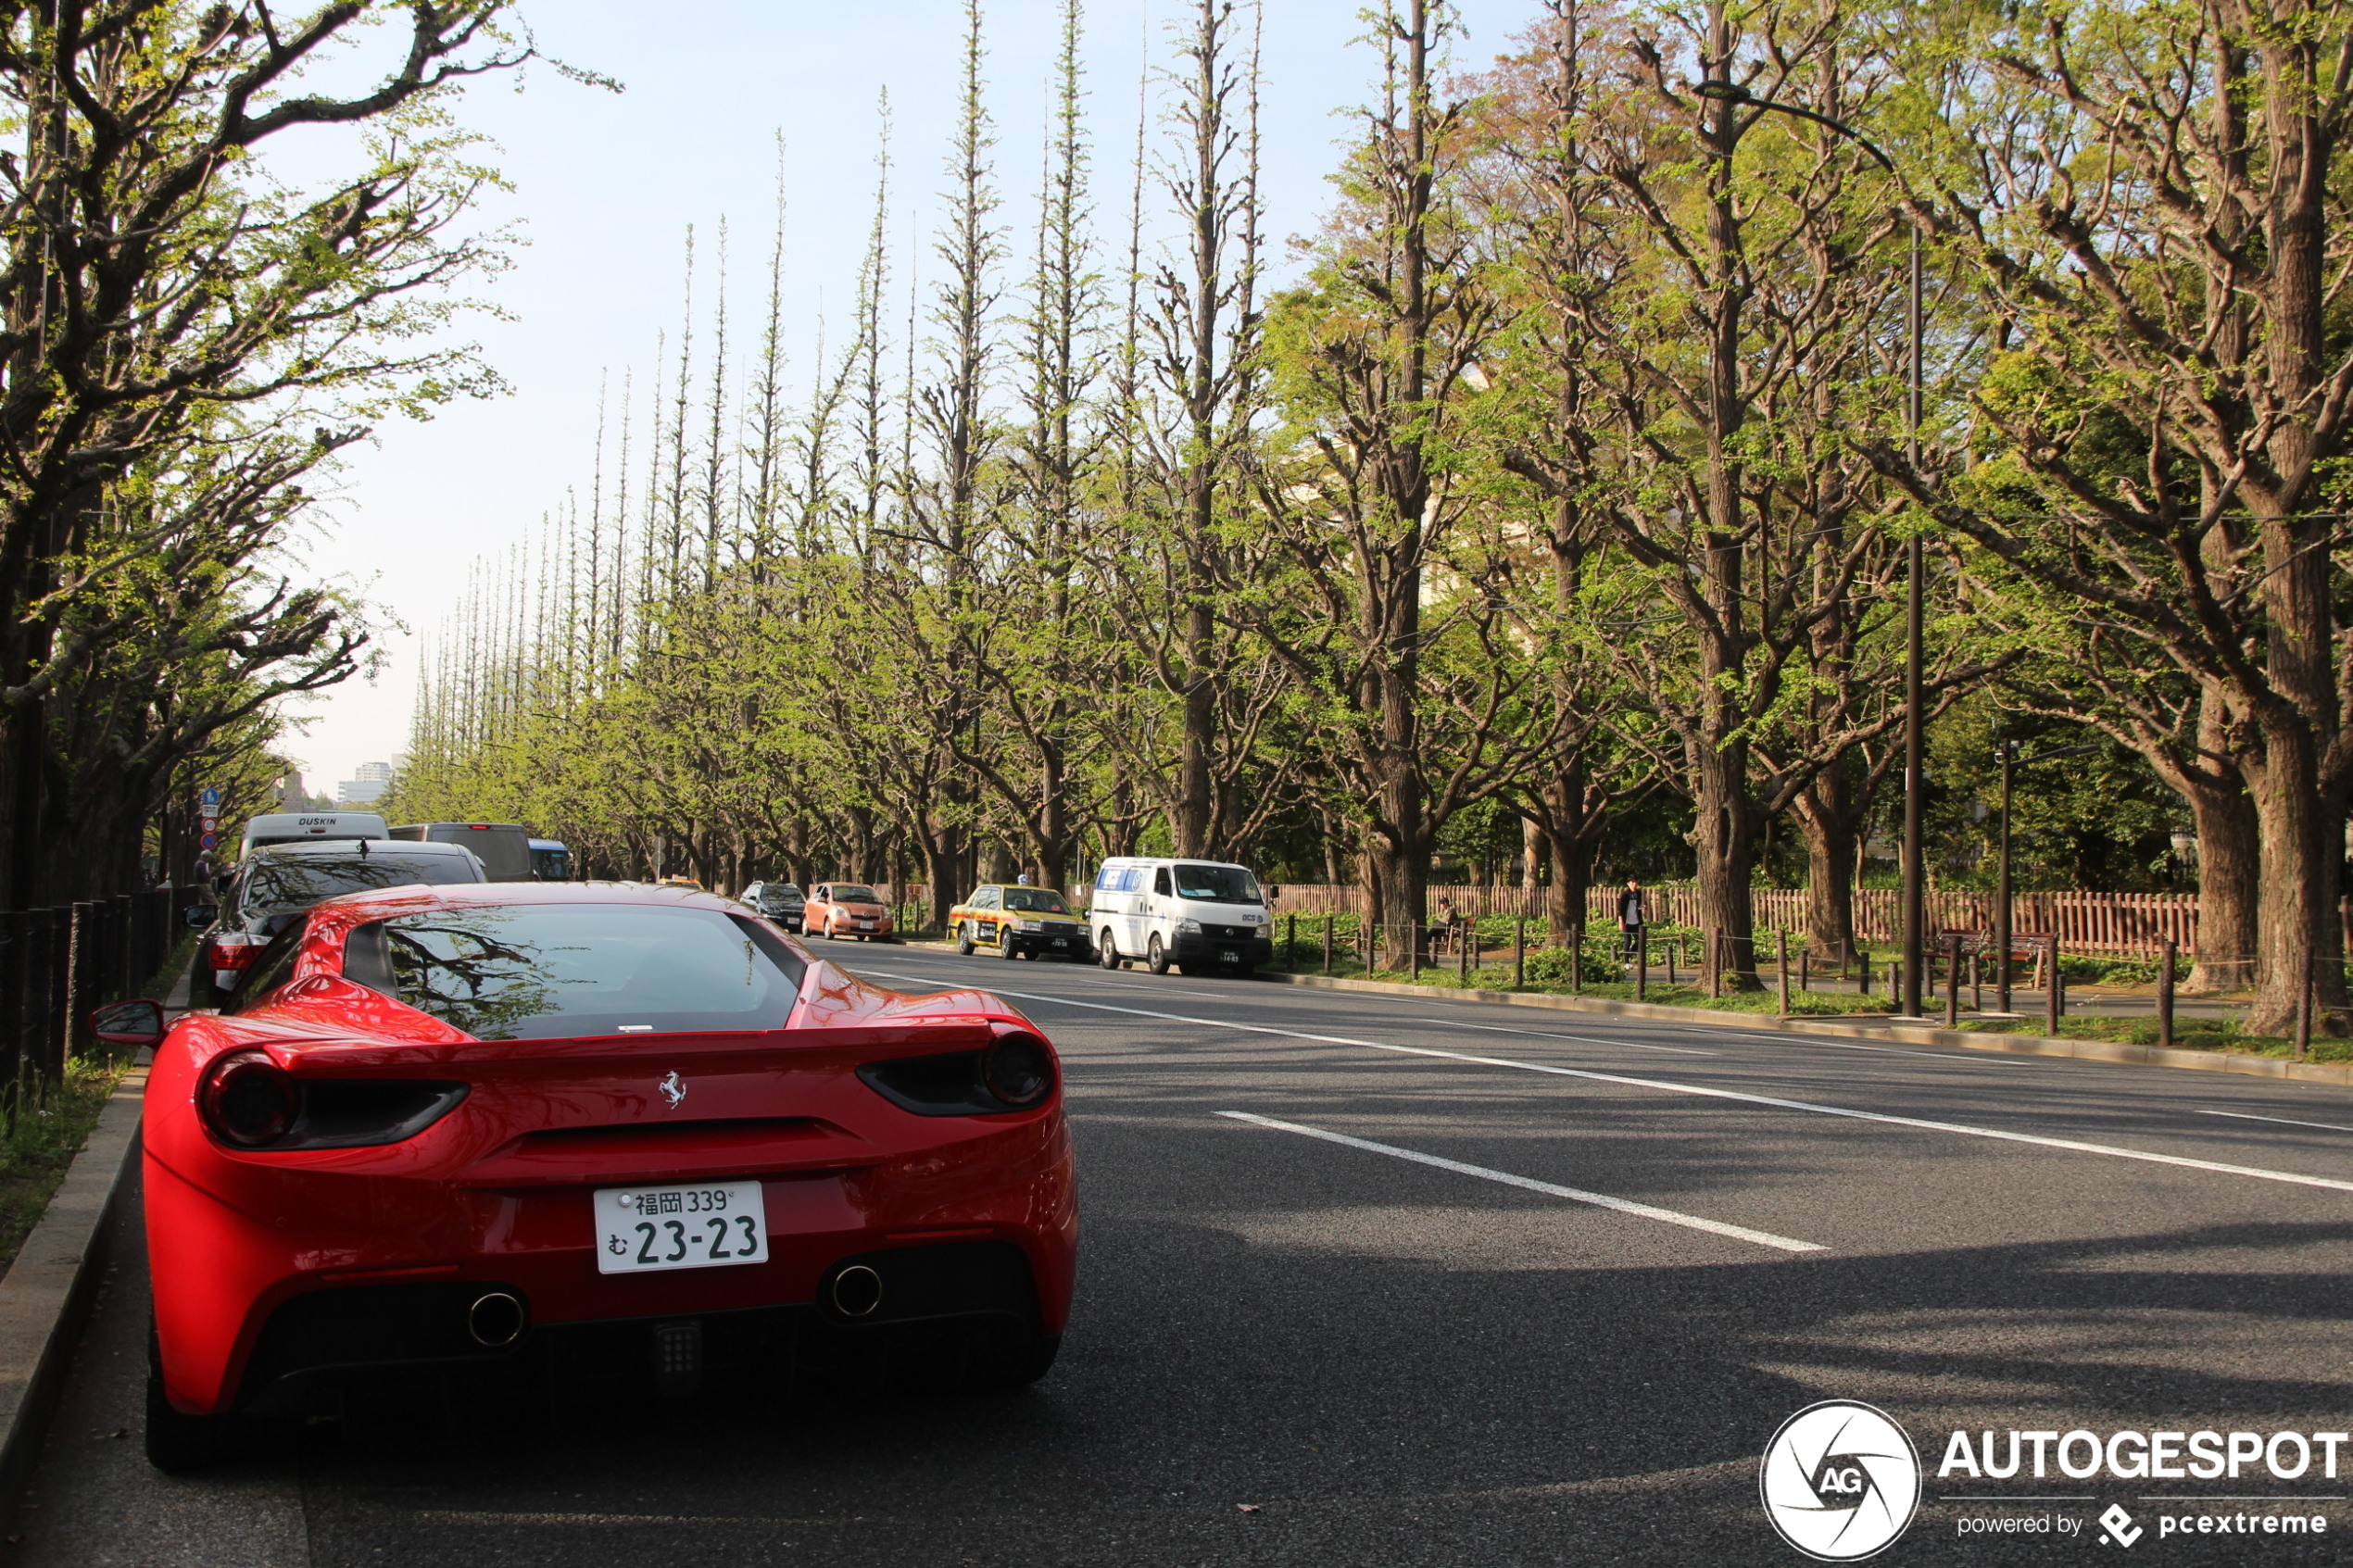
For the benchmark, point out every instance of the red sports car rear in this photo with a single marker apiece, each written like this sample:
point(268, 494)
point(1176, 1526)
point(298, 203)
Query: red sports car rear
point(605, 1136)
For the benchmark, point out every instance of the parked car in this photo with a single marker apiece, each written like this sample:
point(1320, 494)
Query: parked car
point(1204, 917)
point(275, 884)
point(846, 908)
point(1013, 921)
point(533, 1138)
point(780, 902)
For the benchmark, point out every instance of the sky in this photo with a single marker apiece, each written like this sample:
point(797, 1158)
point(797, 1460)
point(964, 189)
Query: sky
point(605, 186)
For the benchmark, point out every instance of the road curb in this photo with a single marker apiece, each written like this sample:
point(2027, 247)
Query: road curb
point(1959, 1039)
point(47, 1293)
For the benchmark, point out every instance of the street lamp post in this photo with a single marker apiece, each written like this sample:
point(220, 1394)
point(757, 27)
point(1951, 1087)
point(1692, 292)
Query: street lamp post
point(1915, 801)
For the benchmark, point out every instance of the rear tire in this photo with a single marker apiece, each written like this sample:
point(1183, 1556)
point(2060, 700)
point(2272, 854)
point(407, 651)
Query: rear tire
point(965, 939)
point(1155, 956)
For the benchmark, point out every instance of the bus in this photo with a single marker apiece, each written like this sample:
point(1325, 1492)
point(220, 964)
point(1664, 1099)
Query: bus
point(504, 849)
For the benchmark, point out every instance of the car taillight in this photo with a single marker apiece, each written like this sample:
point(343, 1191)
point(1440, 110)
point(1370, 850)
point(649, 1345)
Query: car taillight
point(248, 1100)
point(1016, 1072)
point(237, 949)
point(1018, 1069)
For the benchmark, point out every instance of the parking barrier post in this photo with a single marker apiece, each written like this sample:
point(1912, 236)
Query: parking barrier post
point(1290, 942)
point(1673, 947)
point(1327, 943)
point(1863, 987)
point(2052, 987)
point(2303, 1008)
point(1519, 954)
point(1952, 979)
point(1895, 984)
point(1412, 953)
point(1464, 938)
point(1977, 982)
point(1806, 967)
point(2165, 994)
point(1575, 961)
point(1642, 968)
point(1783, 933)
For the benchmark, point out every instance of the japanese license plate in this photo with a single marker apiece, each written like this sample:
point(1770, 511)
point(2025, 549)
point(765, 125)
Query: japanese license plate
point(703, 1226)
point(1228, 955)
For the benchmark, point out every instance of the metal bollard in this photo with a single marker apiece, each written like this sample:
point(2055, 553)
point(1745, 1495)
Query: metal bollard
point(1327, 944)
point(1519, 954)
point(1783, 934)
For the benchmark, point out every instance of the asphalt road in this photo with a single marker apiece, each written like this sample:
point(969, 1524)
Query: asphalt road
point(1291, 1349)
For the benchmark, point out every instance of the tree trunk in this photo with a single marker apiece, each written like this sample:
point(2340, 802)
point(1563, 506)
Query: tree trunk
point(2302, 846)
point(1829, 813)
point(1726, 838)
point(2228, 856)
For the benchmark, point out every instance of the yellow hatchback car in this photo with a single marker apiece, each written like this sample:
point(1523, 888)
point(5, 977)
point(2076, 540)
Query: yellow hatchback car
point(1019, 920)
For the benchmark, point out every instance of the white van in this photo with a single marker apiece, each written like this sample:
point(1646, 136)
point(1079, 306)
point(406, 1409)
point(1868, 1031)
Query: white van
point(310, 827)
point(1204, 916)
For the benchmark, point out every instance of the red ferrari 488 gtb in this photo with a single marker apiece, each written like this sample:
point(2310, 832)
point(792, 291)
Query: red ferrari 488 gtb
point(598, 1136)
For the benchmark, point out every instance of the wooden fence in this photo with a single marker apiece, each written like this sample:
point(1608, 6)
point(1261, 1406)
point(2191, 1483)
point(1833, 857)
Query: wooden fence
point(2116, 924)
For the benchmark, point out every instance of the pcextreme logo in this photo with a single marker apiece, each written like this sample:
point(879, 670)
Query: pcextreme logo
point(1839, 1481)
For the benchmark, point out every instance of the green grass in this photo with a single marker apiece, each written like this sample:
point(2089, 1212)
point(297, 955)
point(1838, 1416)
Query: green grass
point(1496, 975)
point(44, 1123)
point(2189, 1033)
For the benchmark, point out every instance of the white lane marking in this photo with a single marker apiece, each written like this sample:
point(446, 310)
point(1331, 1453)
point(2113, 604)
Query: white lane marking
point(2282, 1121)
point(1955, 1057)
point(1577, 1195)
point(1961, 1128)
point(1582, 1039)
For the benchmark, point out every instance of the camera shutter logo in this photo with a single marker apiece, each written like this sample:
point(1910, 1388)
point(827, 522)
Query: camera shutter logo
point(1839, 1481)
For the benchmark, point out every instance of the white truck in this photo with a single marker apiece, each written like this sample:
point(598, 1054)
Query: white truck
point(308, 827)
point(1204, 917)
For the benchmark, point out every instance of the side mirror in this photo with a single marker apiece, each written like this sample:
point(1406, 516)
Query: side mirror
point(127, 1024)
point(198, 916)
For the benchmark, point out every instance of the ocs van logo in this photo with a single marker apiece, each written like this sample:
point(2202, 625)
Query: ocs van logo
point(1839, 1481)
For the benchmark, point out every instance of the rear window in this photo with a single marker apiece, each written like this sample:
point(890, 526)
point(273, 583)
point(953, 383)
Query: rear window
point(505, 849)
point(532, 972)
point(274, 886)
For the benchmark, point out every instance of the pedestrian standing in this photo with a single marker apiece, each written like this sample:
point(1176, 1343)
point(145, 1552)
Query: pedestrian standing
point(1630, 917)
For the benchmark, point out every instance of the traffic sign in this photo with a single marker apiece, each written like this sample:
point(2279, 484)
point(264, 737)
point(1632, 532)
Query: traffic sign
point(207, 841)
point(210, 797)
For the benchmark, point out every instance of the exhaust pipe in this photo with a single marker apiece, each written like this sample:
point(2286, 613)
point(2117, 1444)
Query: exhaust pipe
point(856, 1291)
point(497, 1320)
